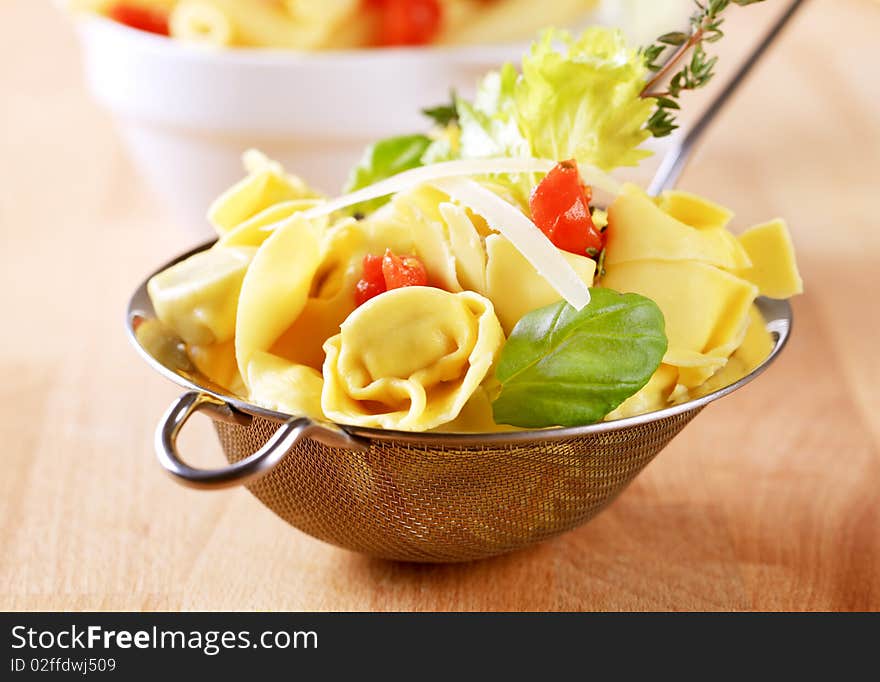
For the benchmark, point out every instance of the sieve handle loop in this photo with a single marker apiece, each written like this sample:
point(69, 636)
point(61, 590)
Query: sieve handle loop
point(255, 466)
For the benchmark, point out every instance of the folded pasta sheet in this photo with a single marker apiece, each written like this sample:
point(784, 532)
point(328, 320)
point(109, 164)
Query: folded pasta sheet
point(773, 268)
point(644, 231)
point(198, 297)
point(265, 186)
point(678, 251)
point(516, 288)
point(694, 210)
point(275, 289)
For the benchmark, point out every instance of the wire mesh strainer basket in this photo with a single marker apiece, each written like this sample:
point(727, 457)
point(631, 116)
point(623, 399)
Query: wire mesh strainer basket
point(410, 496)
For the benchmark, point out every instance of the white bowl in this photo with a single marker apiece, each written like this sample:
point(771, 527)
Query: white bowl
point(187, 113)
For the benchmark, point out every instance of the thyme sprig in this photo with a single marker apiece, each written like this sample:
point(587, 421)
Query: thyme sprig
point(705, 27)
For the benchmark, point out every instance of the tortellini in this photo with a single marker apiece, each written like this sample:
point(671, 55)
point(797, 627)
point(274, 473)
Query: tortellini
point(410, 359)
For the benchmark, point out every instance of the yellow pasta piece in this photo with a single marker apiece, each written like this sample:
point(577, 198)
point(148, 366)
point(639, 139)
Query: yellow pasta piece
point(774, 269)
point(691, 377)
point(472, 21)
point(278, 384)
point(275, 288)
point(694, 368)
point(198, 21)
point(334, 24)
point(515, 287)
point(198, 297)
point(754, 349)
point(255, 230)
point(639, 230)
point(410, 359)
point(694, 210)
point(757, 342)
point(704, 307)
point(739, 256)
point(653, 396)
point(467, 248)
point(265, 185)
point(321, 11)
point(476, 416)
point(412, 224)
point(270, 24)
point(682, 358)
point(331, 297)
point(216, 362)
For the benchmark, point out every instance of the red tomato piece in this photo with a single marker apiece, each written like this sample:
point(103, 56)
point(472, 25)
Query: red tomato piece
point(142, 18)
point(407, 22)
point(383, 273)
point(561, 209)
point(373, 281)
point(403, 271)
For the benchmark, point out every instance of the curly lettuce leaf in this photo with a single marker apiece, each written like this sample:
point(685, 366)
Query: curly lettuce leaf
point(489, 125)
point(579, 98)
point(576, 98)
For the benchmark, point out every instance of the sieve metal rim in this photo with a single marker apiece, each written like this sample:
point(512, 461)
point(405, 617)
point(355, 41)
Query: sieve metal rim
point(777, 313)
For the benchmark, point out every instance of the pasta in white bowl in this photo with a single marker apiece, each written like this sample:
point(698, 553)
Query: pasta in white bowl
point(187, 111)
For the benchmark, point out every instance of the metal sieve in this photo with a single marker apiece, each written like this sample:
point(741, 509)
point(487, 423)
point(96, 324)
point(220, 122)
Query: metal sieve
point(415, 496)
point(426, 496)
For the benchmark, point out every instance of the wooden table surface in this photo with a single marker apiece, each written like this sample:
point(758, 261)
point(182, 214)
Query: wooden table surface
point(769, 500)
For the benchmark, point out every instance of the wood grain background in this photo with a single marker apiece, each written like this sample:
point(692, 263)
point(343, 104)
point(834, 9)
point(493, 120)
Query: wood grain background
point(768, 501)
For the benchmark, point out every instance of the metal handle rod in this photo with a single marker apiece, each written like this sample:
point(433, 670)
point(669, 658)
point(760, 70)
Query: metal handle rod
point(677, 158)
point(251, 468)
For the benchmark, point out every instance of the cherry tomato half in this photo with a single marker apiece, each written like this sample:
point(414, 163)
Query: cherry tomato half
point(142, 18)
point(407, 22)
point(560, 207)
point(383, 273)
point(372, 283)
point(403, 271)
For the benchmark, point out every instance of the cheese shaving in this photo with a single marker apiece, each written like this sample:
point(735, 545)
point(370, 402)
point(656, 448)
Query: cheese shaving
point(534, 245)
point(453, 169)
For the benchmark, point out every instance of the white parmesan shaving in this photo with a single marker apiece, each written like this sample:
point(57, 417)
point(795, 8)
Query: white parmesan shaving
point(452, 170)
point(426, 174)
point(523, 234)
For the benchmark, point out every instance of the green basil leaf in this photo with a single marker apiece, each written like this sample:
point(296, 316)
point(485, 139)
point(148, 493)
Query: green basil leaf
point(563, 367)
point(382, 160)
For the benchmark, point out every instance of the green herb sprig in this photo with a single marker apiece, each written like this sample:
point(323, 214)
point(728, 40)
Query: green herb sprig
point(705, 25)
point(444, 114)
